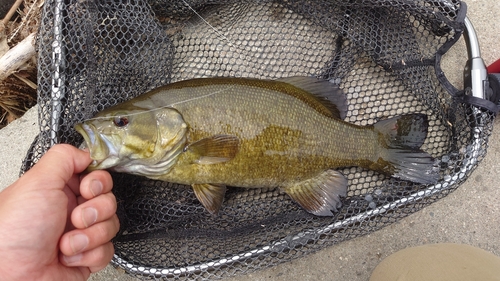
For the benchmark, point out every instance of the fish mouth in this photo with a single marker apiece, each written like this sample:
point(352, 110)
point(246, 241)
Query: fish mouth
point(102, 153)
point(87, 134)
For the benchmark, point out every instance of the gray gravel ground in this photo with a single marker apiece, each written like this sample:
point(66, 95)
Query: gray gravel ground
point(469, 215)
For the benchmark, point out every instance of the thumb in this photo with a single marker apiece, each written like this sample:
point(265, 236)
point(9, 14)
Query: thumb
point(61, 161)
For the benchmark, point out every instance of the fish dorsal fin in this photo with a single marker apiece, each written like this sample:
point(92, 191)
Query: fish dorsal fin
point(329, 95)
point(215, 149)
point(210, 196)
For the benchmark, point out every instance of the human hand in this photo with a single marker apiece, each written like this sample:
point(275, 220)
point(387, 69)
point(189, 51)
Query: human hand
point(56, 224)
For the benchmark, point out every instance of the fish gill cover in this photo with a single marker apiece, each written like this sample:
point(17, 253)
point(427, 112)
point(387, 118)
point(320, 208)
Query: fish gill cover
point(384, 55)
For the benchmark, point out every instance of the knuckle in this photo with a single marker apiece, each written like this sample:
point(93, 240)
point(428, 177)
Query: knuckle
point(101, 257)
point(110, 203)
point(61, 148)
point(105, 232)
point(112, 197)
point(108, 229)
point(99, 254)
point(116, 222)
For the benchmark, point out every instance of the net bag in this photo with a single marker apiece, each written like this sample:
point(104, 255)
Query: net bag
point(384, 55)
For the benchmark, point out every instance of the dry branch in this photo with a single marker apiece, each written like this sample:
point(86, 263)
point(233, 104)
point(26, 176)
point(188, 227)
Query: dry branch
point(17, 57)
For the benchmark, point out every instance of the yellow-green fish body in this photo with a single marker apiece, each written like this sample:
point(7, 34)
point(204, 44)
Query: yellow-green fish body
point(214, 132)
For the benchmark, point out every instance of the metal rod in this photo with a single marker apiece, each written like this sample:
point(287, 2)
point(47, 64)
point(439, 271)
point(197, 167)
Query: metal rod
point(475, 73)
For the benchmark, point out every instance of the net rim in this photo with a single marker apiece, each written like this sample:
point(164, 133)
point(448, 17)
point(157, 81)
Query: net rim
point(310, 235)
point(302, 237)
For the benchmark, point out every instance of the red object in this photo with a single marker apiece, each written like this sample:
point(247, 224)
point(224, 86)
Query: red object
point(494, 67)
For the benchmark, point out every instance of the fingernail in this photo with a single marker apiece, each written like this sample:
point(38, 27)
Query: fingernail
point(78, 242)
point(89, 216)
point(72, 259)
point(95, 187)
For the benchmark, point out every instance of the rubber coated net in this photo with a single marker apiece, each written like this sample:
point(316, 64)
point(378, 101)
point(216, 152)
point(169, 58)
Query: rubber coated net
point(385, 55)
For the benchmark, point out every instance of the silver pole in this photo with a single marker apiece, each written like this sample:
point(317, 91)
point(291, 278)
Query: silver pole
point(475, 73)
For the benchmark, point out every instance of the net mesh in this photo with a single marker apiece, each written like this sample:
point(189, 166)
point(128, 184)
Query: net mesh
point(385, 56)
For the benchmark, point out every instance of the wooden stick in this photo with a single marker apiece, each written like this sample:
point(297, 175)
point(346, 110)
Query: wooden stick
point(26, 81)
point(17, 56)
point(11, 12)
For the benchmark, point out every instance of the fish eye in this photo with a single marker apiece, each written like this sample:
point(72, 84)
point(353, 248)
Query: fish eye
point(120, 121)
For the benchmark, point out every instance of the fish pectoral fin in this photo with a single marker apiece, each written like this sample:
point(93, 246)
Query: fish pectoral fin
point(215, 149)
point(320, 195)
point(210, 196)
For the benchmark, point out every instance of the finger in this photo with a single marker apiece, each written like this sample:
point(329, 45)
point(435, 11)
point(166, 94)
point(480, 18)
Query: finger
point(72, 204)
point(95, 259)
point(95, 183)
point(82, 240)
point(60, 162)
point(96, 210)
point(64, 158)
point(80, 201)
point(74, 184)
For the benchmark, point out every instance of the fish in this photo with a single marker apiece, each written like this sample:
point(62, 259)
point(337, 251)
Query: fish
point(211, 133)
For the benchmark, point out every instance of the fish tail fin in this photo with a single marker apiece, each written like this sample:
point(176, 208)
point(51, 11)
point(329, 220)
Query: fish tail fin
point(402, 158)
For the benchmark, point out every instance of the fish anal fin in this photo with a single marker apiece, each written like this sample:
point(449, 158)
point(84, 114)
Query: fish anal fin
point(329, 95)
point(215, 149)
point(321, 194)
point(210, 196)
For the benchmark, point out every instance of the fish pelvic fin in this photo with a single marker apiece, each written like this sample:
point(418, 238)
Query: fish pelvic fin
point(402, 157)
point(215, 149)
point(210, 196)
point(321, 194)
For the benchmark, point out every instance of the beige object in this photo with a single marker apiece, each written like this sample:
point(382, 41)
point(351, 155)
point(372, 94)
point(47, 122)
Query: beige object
point(454, 262)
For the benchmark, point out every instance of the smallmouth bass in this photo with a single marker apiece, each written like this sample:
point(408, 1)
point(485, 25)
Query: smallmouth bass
point(216, 132)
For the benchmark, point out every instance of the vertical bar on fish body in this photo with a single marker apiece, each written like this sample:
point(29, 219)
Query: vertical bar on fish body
point(57, 83)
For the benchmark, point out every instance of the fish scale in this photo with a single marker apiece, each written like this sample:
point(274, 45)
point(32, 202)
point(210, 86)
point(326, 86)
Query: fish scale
point(324, 143)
